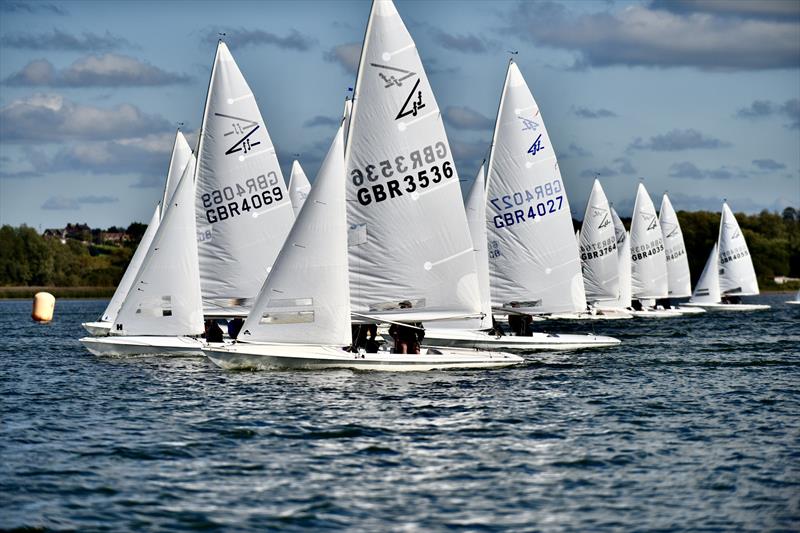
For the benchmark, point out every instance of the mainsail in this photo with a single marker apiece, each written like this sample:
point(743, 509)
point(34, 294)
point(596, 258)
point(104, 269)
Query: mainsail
point(707, 288)
point(648, 262)
point(679, 279)
point(598, 247)
point(165, 296)
point(534, 262)
point(305, 299)
point(243, 210)
point(623, 300)
point(181, 153)
point(411, 255)
point(736, 273)
point(299, 187)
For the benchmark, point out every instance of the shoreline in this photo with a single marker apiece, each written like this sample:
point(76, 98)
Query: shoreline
point(77, 293)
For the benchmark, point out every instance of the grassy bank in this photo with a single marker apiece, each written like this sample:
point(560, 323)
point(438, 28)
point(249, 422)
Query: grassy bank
point(58, 292)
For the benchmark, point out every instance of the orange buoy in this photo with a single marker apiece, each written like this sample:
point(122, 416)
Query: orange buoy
point(44, 304)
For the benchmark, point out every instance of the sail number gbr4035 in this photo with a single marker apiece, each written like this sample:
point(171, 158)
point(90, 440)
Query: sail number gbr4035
point(231, 201)
point(404, 174)
point(522, 206)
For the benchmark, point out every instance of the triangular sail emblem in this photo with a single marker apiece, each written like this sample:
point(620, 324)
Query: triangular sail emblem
point(241, 126)
point(412, 104)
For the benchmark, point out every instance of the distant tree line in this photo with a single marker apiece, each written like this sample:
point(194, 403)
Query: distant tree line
point(30, 259)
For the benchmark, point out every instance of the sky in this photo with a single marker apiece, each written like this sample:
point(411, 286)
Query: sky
point(698, 98)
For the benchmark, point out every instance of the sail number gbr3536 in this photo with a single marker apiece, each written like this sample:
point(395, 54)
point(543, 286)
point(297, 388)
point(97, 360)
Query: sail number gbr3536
point(404, 174)
point(238, 199)
point(522, 206)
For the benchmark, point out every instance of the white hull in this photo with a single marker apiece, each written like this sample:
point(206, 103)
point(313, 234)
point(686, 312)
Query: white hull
point(242, 356)
point(793, 302)
point(143, 345)
point(689, 310)
point(452, 338)
point(97, 329)
point(656, 313)
point(728, 307)
point(600, 314)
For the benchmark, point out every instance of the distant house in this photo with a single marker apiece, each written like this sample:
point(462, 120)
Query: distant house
point(780, 280)
point(114, 237)
point(54, 233)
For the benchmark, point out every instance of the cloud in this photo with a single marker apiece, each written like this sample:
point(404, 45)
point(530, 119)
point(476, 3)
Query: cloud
point(241, 37)
point(624, 166)
point(465, 118)
point(677, 140)
point(64, 203)
point(585, 112)
point(620, 166)
point(689, 170)
point(768, 164)
point(466, 43)
point(53, 118)
point(31, 8)
point(764, 108)
point(320, 120)
point(468, 155)
point(108, 70)
point(641, 35)
point(573, 150)
point(63, 41)
point(763, 9)
point(346, 55)
point(758, 109)
point(19, 174)
point(599, 172)
point(694, 202)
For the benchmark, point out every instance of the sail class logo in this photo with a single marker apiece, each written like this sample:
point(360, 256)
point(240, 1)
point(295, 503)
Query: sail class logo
point(389, 75)
point(243, 127)
point(652, 221)
point(528, 124)
point(412, 105)
point(735, 228)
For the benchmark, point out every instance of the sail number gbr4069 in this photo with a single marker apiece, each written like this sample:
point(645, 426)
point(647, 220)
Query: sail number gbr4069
point(404, 174)
point(231, 201)
point(522, 206)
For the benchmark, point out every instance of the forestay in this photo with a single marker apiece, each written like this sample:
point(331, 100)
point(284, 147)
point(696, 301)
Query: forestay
point(648, 261)
point(305, 299)
point(243, 210)
point(598, 248)
point(707, 288)
point(299, 187)
point(165, 296)
point(736, 273)
point(408, 240)
point(110, 314)
point(678, 278)
point(181, 153)
point(533, 255)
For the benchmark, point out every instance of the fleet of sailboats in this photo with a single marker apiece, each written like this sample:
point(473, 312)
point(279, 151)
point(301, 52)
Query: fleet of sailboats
point(383, 237)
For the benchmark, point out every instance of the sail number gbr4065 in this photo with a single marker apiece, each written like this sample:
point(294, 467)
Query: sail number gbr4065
point(522, 206)
point(231, 201)
point(404, 174)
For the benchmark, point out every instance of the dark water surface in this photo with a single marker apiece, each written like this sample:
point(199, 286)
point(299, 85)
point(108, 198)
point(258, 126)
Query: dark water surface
point(693, 423)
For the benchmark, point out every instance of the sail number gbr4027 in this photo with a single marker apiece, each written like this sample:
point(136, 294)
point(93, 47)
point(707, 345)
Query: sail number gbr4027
point(522, 206)
point(238, 199)
point(404, 174)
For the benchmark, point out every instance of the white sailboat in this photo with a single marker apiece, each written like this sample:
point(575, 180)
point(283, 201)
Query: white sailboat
point(649, 281)
point(678, 276)
point(729, 273)
point(622, 303)
point(796, 300)
point(181, 154)
point(298, 187)
point(162, 312)
point(534, 261)
point(476, 332)
point(242, 207)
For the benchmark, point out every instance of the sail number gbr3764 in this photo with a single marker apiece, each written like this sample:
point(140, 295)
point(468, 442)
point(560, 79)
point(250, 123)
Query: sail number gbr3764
point(521, 206)
point(404, 174)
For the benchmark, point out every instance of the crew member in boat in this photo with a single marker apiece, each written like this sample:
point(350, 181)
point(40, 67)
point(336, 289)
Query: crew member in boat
point(732, 299)
point(365, 336)
point(407, 339)
point(213, 333)
point(234, 327)
point(519, 323)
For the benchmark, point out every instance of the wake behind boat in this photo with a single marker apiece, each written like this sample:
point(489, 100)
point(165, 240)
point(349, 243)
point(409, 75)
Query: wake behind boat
point(444, 337)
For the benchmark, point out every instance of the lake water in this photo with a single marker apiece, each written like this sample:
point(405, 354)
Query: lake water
point(692, 423)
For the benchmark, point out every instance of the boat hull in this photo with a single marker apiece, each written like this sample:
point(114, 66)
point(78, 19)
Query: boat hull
point(793, 302)
point(728, 307)
point(601, 314)
point(657, 313)
point(455, 338)
point(241, 356)
point(97, 329)
point(143, 345)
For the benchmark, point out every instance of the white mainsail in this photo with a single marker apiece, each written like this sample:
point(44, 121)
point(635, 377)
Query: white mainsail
point(707, 288)
point(181, 153)
point(411, 255)
point(306, 297)
point(110, 314)
point(623, 300)
point(243, 210)
point(648, 261)
point(736, 273)
point(348, 111)
point(679, 279)
point(598, 248)
point(299, 187)
point(165, 296)
point(534, 260)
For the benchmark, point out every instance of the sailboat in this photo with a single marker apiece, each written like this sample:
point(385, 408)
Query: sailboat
point(243, 211)
point(600, 256)
point(479, 332)
point(181, 154)
point(796, 300)
point(298, 187)
point(534, 262)
point(678, 276)
point(622, 303)
point(301, 318)
point(729, 273)
point(162, 311)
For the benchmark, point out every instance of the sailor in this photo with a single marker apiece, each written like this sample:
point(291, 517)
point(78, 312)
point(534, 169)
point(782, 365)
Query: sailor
point(234, 327)
point(519, 323)
point(213, 331)
point(407, 339)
